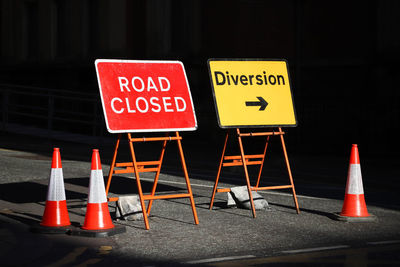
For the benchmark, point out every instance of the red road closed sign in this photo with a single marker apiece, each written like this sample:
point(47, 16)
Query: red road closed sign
point(145, 96)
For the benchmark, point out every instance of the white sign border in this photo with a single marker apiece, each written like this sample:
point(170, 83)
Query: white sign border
point(97, 61)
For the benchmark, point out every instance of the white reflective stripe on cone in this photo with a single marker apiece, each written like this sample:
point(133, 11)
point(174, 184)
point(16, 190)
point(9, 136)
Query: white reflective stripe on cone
point(56, 191)
point(354, 180)
point(97, 191)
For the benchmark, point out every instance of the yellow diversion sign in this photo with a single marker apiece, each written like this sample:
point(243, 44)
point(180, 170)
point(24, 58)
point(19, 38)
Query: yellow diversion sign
point(252, 92)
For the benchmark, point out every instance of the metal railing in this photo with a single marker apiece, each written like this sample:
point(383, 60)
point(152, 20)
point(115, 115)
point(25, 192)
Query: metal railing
point(50, 110)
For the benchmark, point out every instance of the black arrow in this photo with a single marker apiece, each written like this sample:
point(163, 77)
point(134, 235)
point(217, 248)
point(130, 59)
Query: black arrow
point(262, 103)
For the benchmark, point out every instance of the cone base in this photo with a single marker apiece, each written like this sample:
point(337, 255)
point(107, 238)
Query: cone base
point(338, 217)
point(55, 214)
point(118, 229)
point(354, 206)
point(97, 217)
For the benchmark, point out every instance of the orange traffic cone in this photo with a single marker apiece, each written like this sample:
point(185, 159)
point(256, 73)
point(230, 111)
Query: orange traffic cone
point(354, 202)
point(97, 213)
point(55, 217)
point(354, 207)
point(98, 221)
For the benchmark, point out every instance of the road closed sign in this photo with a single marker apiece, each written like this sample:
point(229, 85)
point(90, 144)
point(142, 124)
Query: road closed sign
point(252, 92)
point(145, 96)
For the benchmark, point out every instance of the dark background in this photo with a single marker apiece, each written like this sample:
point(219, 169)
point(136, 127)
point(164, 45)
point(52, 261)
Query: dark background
point(343, 58)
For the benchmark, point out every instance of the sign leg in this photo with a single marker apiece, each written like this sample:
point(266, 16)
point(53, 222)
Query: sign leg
point(153, 190)
point(262, 162)
point(110, 173)
point(189, 188)
point(246, 173)
point(139, 186)
point(289, 172)
point(219, 170)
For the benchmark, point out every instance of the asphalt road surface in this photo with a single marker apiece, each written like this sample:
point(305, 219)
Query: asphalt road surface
point(224, 236)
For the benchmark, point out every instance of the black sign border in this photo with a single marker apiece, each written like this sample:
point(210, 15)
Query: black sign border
point(250, 126)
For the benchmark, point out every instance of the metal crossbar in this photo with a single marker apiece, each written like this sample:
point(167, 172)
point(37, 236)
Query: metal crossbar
point(137, 167)
point(257, 159)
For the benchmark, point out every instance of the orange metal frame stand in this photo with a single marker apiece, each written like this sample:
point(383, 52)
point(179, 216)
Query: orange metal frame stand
point(137, 167)
point(245, 160)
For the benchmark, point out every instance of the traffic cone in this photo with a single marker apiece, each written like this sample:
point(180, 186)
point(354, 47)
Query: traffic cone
point(354, 207)
point(354, 202)
point(55, 217)
point(98, 221)
point(97, 213)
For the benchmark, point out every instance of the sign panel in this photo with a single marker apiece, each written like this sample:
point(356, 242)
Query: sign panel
point(145, 96)
point(252, 92)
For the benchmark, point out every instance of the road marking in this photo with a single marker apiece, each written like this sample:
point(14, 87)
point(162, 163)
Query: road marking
point(103, 250)
point(70, 257)
point(220, 259)
point(344, 257)
point(89, 262)
point(174, 182)
point(6, 211)
point(387, 242)
point(211, 186)
point(9, 150)
point(314, 249)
